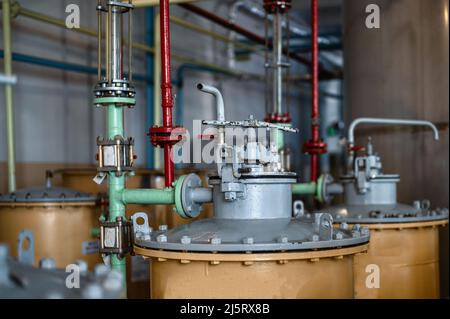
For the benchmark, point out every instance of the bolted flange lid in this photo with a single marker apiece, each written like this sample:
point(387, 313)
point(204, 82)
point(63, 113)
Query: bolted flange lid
point(42, 194)
point(378, 214)
point(227, 235)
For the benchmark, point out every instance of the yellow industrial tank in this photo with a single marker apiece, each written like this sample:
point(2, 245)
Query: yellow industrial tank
point(403, 256)
point(60, 219)
point(312, 274)
point(253, 247)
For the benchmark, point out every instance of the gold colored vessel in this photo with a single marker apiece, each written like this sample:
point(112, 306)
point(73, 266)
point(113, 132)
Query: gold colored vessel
point(407, 256)
point(61, 231)
point(322, 274)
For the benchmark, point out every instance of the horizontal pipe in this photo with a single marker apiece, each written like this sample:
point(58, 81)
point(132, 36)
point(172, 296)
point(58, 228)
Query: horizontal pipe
point(202, 195)
point(165, 196)
point(304, 188)
point(18, 57)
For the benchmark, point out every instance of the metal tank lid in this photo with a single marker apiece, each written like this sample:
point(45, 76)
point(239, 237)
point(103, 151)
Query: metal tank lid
point(309, 232)
point(43, 194)
point(420, 211)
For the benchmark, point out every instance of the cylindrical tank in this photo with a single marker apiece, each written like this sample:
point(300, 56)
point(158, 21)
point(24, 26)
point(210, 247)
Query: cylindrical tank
point(271, 275)
point(137, 268)
point(312, 274)
point(257, 251)
point(403, 257)
point(60, 219)
point(401, 71)
point(407, 256)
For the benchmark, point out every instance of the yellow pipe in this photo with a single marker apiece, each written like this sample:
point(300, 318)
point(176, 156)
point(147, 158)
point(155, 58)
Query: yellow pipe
point(9, 110)
point(150, 3)
point(157, 117)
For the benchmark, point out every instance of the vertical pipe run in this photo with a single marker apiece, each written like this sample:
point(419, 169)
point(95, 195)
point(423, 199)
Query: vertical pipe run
point(149, 21)
point(7, 60)
point(157, 84)
point(315, 88)
point(276, 64)
point(166, 88)
point(116, 44)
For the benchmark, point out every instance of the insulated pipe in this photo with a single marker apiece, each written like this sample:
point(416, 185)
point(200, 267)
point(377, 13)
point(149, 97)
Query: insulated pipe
point(166, 88)
point(9, 97)
point(382, 121)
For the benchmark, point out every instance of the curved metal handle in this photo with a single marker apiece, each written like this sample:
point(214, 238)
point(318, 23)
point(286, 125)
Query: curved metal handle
point(370, 120)
point(220, 106)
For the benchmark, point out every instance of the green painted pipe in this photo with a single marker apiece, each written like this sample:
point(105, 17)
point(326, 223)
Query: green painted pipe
point(311, 188)
point(304, 188)
point(116, 185)
point(9, 97)
point(164, 196)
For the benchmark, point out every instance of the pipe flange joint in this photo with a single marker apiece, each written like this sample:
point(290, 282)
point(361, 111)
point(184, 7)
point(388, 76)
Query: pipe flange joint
point(185, 204)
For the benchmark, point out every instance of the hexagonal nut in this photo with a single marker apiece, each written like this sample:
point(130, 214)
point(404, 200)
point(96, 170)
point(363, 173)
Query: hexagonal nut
point(343, 226)
point(356, 227)
point(185, 240)
point(161, 238)
point(283, 239)
point(248, 241)
point(216, 240)
point(339, 236)
point(315, 237)
point(163, 227)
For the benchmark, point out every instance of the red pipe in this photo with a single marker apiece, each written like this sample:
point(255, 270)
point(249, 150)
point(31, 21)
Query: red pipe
point(315, 146)
point(166, 88)
point(315, 86)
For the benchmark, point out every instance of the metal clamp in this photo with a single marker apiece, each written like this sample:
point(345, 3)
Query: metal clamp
point(116, 155)
point(324, 226)
point(141, 230)
point(298, 209)
point(116, 237)
point(25, 247)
